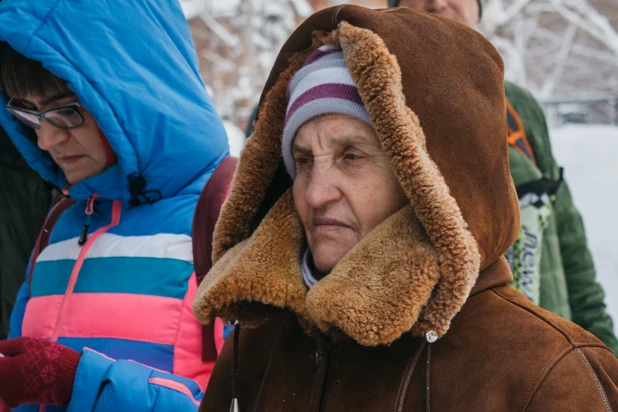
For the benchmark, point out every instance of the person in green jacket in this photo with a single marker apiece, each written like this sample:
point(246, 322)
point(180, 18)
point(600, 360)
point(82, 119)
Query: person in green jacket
point(551, 262)
point(24, 203)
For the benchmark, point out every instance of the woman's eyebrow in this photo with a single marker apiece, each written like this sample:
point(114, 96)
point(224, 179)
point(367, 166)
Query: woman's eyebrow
point(357, 140)
point(300, 149)
point(345, 140)
point(26, 104)
point(57, 96)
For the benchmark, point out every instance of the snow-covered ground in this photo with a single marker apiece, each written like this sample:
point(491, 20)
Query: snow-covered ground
point(589, 155)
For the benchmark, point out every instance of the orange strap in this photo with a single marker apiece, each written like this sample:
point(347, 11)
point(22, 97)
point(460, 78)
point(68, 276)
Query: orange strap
point(516, 136)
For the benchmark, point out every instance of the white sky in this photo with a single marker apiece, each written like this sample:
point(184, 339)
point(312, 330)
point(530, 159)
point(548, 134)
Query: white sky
point(589, 155)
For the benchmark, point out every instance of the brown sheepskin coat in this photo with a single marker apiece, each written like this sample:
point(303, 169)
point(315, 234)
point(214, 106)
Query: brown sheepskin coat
point(359, 340)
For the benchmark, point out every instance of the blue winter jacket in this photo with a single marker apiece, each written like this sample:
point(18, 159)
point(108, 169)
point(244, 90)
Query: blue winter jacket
point(124, 298)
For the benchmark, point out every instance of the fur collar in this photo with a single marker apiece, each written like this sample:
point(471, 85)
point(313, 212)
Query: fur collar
point(374, 294)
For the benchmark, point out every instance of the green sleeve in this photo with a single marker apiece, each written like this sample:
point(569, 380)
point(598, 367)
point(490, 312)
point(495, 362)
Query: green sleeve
point(585, 293)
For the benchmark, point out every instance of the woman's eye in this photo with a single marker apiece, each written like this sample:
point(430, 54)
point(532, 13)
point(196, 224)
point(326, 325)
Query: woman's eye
point(301, 161)
point(351, 156)
point(65, 112)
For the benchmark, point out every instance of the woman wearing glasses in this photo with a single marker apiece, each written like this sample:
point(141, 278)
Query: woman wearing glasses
point(114, 113)
point(63, 129)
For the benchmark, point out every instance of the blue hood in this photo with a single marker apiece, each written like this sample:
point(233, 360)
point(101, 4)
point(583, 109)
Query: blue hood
point(133, 65)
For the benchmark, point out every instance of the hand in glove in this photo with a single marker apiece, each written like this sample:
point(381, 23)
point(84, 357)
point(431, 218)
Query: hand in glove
point(36, 371)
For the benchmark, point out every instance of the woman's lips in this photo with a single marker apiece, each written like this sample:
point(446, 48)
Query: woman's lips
point(326, 225)
point(69, 160)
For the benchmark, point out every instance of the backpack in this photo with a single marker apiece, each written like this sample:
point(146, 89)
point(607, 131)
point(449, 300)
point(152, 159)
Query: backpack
point(206, 214)
point(535, 198)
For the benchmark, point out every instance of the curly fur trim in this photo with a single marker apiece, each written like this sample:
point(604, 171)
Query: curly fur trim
point(257, 165)
point(374, 294)
point(258, 273)
point(378, 78)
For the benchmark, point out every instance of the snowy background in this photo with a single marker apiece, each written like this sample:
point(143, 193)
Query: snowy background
point(589, 155)
point(564, 51)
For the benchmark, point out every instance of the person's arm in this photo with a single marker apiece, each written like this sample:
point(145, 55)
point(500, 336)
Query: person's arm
point(586, 296)
point(104, 385)
point(585, 293)
point(38, 371)
point(583, 379)
point(19, 310)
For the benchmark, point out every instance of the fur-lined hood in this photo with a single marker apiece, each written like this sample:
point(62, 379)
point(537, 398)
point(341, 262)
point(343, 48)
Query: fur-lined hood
point(434, 91)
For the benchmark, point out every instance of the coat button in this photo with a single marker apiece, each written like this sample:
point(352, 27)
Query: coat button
point(431, 336)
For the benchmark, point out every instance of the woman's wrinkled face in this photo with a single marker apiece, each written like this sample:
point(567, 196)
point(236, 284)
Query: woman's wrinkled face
point(79, 152)
point(344, 185)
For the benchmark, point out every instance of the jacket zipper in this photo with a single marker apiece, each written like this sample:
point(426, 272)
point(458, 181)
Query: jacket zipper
point(320, 376)
point(116, 211)
point(83, 237)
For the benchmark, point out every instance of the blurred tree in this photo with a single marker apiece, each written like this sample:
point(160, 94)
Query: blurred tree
point(556, 48)
point(564, 51)
point(237, 42)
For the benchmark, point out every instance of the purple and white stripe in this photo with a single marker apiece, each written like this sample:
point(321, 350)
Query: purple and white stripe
point(323, 85)
point(319, 53)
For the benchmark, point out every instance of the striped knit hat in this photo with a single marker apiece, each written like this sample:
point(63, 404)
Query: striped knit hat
point(322, 86)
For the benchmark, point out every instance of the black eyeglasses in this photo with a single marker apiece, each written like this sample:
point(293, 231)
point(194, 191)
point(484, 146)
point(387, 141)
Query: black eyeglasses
point(65, 117)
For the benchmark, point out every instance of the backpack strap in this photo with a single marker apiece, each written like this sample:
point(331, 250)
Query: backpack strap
point(44, 235)
point(543, 186)
point(516, 136)
point(206, 215)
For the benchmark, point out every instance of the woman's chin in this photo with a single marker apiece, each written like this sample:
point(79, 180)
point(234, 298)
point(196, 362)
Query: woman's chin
point(326, 255)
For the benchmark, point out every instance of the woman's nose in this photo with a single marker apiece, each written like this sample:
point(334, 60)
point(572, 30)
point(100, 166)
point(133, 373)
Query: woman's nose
point(49, 136)
point(321, 188)
point(436, 5)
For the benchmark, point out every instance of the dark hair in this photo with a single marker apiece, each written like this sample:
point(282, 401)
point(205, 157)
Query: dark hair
point(21, 76)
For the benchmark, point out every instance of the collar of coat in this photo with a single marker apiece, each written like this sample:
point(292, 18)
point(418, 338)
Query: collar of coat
point(412, 273)
point(378, 291)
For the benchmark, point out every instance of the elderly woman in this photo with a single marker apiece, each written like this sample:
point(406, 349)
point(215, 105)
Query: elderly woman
point(373, 279)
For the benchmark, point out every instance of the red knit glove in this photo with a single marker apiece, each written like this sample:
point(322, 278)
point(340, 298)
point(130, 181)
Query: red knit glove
point(36, 371)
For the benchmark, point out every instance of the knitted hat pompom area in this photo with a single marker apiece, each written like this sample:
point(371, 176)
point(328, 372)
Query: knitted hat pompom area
point(322, 86)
